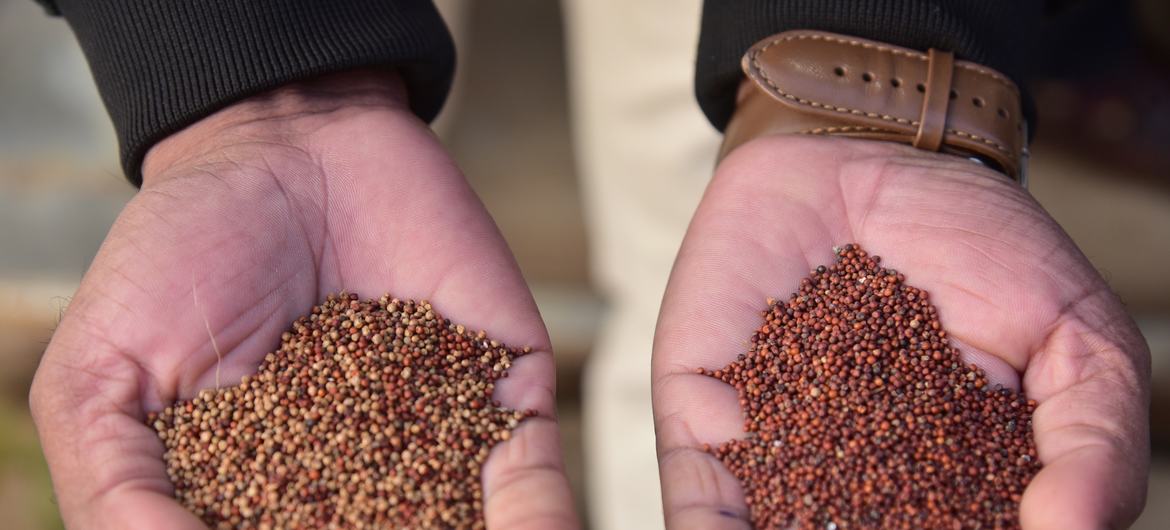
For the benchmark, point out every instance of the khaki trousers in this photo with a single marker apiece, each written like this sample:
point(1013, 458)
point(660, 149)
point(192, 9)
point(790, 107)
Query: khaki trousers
point(645, 154)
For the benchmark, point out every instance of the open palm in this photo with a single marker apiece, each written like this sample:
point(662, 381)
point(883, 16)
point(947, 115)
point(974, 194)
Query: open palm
point(223, 249)
point(1014, 292)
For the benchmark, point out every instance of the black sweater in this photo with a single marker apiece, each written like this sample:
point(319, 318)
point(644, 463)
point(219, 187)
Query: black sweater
point(161, 65)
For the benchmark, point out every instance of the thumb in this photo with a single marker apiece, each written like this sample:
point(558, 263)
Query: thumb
point(1091, 428)
point(106, 464)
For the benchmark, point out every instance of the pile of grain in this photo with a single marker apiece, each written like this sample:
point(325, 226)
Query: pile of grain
point(371, 414)
point(860, 414)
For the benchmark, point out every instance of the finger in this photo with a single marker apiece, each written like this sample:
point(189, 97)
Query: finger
point(1091, 431)
point(696, 409)
point(524, 480)
point(135, 508)
point(106, 463)
point(1073, 493)
point(714, 501)
point(698, 491)
point(997, 370)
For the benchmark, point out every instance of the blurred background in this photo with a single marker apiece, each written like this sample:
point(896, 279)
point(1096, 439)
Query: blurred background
point(1100, 165)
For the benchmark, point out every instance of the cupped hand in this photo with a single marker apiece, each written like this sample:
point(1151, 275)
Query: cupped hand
point(245, 221)
point(1016, 295)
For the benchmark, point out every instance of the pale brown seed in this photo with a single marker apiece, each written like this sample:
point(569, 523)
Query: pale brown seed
point(369, 415)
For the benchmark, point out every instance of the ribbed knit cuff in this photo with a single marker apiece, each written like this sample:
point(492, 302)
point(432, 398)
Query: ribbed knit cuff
point(995, 33)
point(161, 65)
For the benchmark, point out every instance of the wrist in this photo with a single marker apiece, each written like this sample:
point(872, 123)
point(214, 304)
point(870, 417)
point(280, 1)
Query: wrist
point(856, 164)
point(284, 117)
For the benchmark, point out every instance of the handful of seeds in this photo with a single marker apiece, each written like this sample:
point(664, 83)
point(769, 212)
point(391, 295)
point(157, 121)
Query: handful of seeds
point(372, 414)
point(860, 414)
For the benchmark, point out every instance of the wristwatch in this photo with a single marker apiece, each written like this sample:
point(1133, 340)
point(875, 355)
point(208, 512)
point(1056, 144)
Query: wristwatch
point(813, 82)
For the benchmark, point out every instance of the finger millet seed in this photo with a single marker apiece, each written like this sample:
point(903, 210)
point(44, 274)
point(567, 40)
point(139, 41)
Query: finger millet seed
point(860, 414)
point(372, 414)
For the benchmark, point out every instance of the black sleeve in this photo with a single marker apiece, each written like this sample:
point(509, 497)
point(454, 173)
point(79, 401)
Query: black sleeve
point(995, 33)
point(161, 65)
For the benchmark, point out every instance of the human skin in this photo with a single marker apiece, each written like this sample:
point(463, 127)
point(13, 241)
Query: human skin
point(245, 221)
point(1014, 292)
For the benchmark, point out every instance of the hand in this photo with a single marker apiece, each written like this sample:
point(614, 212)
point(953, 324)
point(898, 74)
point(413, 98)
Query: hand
point(1012, 289)
point(245, 221)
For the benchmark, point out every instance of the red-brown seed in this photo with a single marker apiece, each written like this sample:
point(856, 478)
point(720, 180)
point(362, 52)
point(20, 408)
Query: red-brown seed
point(860, 413)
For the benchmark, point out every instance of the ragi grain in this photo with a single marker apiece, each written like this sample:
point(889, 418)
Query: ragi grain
point(859, 413)
point(372, 414)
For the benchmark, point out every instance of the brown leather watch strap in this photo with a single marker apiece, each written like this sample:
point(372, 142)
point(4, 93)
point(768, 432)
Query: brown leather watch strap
point(812, 82)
